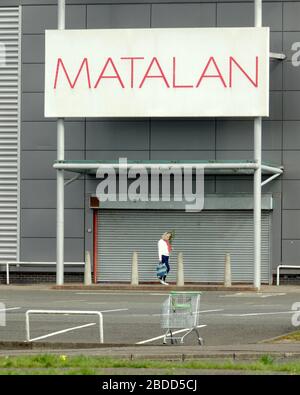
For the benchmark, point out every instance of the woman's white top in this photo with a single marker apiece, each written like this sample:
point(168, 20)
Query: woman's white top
point(162, 249)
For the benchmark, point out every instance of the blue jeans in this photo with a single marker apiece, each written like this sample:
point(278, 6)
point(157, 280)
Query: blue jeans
point(165, 260)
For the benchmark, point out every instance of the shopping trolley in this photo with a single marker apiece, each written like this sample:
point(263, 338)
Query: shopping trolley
point(181, 310)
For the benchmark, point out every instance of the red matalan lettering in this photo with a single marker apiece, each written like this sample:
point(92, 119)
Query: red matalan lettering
point(161, 75)
point(219, 75)
point(232, 60)
point(155, 71)
point(116, 76)
point(132, 59)
point(72, 84)
point(174, 77)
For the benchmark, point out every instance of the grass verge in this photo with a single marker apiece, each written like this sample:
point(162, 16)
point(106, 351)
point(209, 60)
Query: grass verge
point(292, 337)
point(87, 365)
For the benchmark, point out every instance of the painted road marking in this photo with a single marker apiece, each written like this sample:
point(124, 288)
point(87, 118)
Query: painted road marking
point(200, 312)
point(121, 293)
point(71, 301)
point(253, 314)
point(174, 333)
point(11, 308)
point(62, 331)
point(111, 311)
point(251, 294)
point(106, 311)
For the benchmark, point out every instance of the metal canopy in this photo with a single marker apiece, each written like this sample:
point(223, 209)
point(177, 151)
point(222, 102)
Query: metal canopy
point(211, 167)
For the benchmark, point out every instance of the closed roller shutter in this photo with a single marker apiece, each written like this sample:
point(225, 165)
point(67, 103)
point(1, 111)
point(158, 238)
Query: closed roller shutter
point(204, 238)
point(9, 130)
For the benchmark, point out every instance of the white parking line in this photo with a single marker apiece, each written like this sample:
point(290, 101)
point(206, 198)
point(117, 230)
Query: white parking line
point(162, 336)
point(199, 312)
point(11, 308)
point(253, 314)
point(110, 311)
point(120, 293)
point(62, 331)
point(251, 294)
point(64, 301)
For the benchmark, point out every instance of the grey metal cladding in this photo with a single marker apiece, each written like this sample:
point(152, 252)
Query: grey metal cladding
point(291, 252)
point(42, 223)
point(291, 109)
point(291, 194)
point(33, 48)
point(288, 39)
point(272, 15)
point(291, 162)
point(42, 194)
point(182, 155)
point(39, 164)
point(272, 135)
point(275, 106)
point(276, 42)
point(116, 154)
point(276, 75)
point(157, 139)
point(32, 77)
point(184, 15)
point(290, 224)
point(234, 14)
point(41, 135)
point(35, 249)
point(33, 107)
point(172, 135)
point(117, 135)
point(291, 76)
point(37, 18)
point(291, 20)
point(291, 135)
point(118, 16)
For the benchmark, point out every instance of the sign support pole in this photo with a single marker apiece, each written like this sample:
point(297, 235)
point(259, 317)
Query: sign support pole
point(257, 173)
point(60, 176)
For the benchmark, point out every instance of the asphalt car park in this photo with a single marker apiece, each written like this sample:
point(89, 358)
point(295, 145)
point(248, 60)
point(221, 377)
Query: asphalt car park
point(135, 317)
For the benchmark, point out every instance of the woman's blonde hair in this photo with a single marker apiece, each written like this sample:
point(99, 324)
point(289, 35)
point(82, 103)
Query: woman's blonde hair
point(164, 235)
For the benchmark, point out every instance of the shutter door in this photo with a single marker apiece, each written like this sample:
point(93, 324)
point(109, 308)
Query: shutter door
point(9, 131)
point(204, 238)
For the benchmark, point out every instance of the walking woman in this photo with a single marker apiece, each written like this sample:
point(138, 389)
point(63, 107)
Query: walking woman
point(164, 250)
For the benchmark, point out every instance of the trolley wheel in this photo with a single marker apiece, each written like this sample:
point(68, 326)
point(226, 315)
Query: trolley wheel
point(200, 341)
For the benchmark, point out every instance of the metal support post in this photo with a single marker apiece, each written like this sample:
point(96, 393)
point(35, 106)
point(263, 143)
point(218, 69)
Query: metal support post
point(60, 176)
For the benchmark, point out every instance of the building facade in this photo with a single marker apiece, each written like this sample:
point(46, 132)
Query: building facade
point(28, 139)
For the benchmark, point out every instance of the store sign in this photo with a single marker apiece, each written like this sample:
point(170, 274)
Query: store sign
point(207, 72)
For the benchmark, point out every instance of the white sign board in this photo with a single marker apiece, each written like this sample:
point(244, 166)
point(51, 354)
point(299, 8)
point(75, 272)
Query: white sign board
point(207, 72)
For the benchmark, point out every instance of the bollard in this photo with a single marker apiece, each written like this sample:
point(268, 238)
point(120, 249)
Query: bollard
point(180, 272)
point(87, 269)
point(227, 271)
point(134, 269)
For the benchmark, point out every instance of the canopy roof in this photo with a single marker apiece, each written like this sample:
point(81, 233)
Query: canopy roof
point(237, 167)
